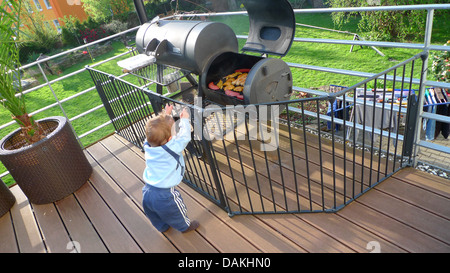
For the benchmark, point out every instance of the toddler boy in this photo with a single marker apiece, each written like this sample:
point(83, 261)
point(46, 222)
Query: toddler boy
point(164, 170)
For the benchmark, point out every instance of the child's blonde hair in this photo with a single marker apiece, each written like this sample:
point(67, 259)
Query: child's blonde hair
point(158, 129)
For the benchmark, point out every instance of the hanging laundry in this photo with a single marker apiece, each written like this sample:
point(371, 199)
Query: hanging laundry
point(443, 108)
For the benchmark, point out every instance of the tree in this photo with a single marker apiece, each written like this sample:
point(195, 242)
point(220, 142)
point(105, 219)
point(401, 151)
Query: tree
point(37, 32)
point(9, 62)
point(106, 10)
point(388, 25)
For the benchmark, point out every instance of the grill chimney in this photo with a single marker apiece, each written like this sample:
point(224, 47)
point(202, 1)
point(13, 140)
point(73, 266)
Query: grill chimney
point(140, 10)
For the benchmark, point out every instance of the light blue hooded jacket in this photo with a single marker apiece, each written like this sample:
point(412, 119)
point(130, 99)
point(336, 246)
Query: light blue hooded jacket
point(162, 169)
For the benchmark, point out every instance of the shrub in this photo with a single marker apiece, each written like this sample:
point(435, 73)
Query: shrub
point(115, 26)
point(399, 25)
point(69, 31)
point(68, 38)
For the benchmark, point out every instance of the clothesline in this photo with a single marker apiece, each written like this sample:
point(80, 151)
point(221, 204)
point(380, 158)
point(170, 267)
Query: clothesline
point(435, 101)
point(402, 94)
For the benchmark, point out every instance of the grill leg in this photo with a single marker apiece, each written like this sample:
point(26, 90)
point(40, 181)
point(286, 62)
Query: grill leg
point(191, 80)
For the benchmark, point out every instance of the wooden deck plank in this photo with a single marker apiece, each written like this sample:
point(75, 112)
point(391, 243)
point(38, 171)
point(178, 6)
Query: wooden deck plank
point(7, 237)
point(421, 179)
point(270, 171)
point(121, 149)
point(52, 228)
point(304, 234)
point(29, 238)
point(222, 243)
point(128, 213)
point(296, 237)
point(131, 156)
point(418, 196)
point(111, 230)
point(297, 136)
point(280, 164)
point(405, 236)
point(256, 165)
point(247, 160)
point(120, 173)
point(348, 233)
point(299, 238)
point(79, 226)
point(302, 229)
point(408, 214)
point(432, 225)
point(220, 235)
point(343, 165)
point(249, 227)
point(248, 197)
point(341, 233)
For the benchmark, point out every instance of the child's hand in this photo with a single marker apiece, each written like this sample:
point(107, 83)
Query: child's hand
point(168, 109)
point(184, 113)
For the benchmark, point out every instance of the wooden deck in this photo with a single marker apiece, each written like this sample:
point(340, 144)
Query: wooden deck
point(409, 212)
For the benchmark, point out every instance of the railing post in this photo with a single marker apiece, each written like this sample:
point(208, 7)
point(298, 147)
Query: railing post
point(59, 103)
point(423, 78)
point(411, 127)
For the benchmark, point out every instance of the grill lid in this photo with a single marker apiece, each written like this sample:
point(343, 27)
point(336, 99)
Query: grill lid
point(272, 26)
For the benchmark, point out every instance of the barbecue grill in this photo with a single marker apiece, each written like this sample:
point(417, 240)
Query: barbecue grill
point(210, 50)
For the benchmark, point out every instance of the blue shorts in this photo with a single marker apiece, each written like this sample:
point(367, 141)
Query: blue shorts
point(165, 208)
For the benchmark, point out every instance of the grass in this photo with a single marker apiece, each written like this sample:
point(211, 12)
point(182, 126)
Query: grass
point(326, 55)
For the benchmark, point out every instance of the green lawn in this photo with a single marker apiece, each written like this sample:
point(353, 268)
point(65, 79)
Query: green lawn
point(327, 55)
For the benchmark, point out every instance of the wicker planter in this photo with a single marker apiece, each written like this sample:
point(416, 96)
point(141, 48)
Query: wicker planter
point(50, 169)
point(7, 199)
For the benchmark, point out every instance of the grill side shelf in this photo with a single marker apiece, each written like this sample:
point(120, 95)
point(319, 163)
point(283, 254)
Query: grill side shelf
point(160, 74)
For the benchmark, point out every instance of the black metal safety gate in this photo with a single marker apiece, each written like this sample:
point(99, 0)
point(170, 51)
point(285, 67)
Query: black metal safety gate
point(129, 107)
point(313, 154)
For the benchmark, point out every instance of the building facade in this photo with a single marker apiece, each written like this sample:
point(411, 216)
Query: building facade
point(54, 10)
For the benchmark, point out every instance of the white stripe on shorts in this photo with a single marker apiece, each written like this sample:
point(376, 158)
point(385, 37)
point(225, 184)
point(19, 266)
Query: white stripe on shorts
point(180, 204)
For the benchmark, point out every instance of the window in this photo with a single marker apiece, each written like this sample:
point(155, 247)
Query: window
point(38, 6)
point(47, 4)
point(57, 25)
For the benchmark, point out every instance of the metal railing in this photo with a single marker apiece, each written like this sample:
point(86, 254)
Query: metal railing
point(426, 46)
point(59, 102)
point(322, 96)
point(48, 83)
point(290, 163)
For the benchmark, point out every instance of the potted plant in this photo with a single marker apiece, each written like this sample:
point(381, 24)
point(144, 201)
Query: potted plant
point(7, 199)
point(43, 156)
